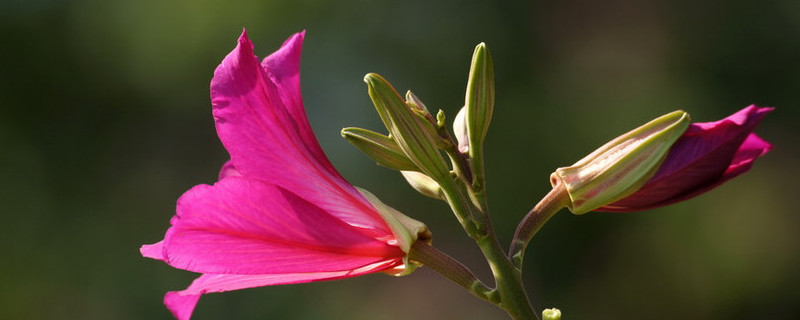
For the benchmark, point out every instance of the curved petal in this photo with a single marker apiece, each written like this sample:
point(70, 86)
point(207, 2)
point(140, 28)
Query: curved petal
point(247, 226)
point(228, 170)
point(153, 251)
point(182, 303)
point(265, 141)
point(753, 148)
point(283, 68)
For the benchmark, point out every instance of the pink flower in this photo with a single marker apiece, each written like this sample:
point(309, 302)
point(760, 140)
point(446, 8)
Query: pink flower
point(280, 212)
point(704, 157)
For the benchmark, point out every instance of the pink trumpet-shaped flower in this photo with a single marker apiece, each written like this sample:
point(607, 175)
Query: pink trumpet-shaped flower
point(705, 156)
point(280, 212)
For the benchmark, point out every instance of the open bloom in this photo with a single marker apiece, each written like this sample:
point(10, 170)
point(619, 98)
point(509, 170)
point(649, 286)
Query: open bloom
point(704, 157)
point(280, 212)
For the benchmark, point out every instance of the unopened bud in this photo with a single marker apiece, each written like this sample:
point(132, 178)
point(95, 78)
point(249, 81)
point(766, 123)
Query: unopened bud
point(479, 100)
point(424, 184)
point(621, 166)
point(415, 135)
point(460, 130)
point(551, 314)
point(383, 149)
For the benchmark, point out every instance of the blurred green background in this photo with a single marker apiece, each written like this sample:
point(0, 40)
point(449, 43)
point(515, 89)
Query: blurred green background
point(105, 120)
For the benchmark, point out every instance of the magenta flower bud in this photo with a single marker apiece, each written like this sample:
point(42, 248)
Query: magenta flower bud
point(704, 157)
point(621, 166)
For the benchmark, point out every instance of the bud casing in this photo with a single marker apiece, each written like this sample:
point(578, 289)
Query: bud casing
point(621, 166)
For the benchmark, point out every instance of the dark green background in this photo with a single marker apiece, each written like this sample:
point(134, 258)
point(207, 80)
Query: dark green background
point(105, 120)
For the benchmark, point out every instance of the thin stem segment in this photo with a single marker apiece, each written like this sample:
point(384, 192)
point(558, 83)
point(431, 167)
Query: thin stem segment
point(554, 201)
point(452, 269)
point(476, 223)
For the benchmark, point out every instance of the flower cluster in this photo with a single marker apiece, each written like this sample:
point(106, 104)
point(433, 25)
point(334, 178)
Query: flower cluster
point(280, 213)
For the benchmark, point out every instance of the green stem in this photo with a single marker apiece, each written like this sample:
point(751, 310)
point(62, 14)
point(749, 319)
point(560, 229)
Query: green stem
point(554, 201)
point(452, 269)
point(508, 279)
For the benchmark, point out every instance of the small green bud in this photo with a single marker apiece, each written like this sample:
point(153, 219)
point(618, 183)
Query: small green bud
point(621, 166)
point(551, 314)
point(414, 102)
point(479, 105)
point(424, 184)
point(479, 100)
point(409, 127)
point(383, 149)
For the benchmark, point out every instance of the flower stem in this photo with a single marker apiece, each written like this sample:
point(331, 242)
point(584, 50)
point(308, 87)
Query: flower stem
point(554, 201)
point(476, 223)
point(452, 269)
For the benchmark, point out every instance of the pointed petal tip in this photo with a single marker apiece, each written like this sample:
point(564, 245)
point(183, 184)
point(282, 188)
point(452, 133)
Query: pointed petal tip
point(754, 142)
point(243, 36)
point(181, 305)
point(153, 251)
point(296, 39)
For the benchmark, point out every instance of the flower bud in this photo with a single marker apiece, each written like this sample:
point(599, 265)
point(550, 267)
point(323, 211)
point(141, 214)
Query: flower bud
point(621, 166)
point(479, 100)
point(384, 150)
point(479, 104)
point(424, 184)
point(460, 130)
point(415, 103)
point(415, 135)
point(705, 156)
point(551, 314)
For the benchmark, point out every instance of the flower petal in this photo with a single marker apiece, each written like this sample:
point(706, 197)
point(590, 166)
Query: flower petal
point(752, 148)
point(283, 68)
point(265, 140)
point(228, 170)
point(153, 251)
point(247, 226)
point(182, 303)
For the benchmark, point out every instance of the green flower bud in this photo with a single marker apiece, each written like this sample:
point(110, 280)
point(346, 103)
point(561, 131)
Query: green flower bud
point(383, 149)
point(479, 100)
point(408, 126)
point(415, 103)
point(551, 314)
point(621, 166)
point(479, 105)
point(424, 184)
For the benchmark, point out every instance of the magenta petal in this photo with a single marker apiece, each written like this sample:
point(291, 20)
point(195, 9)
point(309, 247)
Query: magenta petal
point(752, 148)
point(266, 140)
point(228, 170)
point(707, 155)
point(283, 68)
point(247, 226)
point(181, 305)
point(153, 251)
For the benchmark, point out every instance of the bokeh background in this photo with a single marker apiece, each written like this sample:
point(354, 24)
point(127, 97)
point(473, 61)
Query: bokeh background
point(105, 120)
